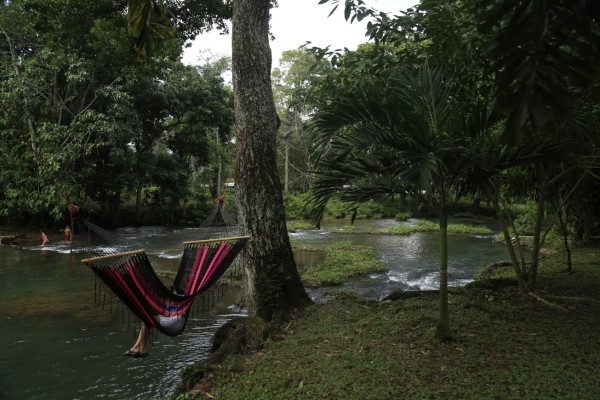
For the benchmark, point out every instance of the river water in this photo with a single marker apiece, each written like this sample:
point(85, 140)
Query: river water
point(56, 344)
point(412, 260)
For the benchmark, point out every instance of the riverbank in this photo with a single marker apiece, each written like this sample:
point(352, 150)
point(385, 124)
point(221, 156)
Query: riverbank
point(27, 237)
point(506, 345)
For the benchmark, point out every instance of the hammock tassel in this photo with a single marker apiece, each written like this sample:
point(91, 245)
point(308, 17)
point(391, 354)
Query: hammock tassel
point(130, 276)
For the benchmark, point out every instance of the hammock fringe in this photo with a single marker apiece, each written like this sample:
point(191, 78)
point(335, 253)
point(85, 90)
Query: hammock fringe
point(129, 275)
point(131, 278)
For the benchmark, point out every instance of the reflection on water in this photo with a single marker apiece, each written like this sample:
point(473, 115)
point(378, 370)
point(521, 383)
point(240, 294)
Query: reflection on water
point(57, 345)
point(412, 260)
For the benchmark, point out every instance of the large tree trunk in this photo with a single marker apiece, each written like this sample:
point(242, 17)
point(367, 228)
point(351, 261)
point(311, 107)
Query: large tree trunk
point(272, 282)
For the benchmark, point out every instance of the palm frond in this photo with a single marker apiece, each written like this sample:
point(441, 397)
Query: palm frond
point(398, 138)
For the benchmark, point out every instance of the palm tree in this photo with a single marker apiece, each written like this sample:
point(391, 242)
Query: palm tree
point(405, 137)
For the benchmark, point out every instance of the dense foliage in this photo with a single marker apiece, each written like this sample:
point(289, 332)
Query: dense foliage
point(84, 121)
point(460, 98)
point(492, 101)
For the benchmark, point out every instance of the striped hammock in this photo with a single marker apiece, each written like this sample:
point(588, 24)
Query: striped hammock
point(132, 279)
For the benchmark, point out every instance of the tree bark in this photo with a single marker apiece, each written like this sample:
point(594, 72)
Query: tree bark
point(511, 223)
point(287, 166)
point(138, 201)
point(562, 220)
point(220, 187)
point(442, 331)
point(509, 246)
point(537, 233)
point(272, 282)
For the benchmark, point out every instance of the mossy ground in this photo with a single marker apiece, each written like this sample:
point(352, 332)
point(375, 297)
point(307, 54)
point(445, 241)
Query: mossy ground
point(507, 345)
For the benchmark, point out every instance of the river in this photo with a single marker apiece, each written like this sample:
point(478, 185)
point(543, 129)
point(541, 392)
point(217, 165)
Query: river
point(57, 345)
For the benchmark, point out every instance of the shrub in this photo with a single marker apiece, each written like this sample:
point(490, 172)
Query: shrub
point(403, 216)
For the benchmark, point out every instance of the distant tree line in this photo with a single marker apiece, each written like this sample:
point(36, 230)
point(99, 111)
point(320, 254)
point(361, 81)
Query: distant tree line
point(112, 130)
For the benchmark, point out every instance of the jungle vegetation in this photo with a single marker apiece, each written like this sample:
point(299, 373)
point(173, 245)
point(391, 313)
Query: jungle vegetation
point(486, 101)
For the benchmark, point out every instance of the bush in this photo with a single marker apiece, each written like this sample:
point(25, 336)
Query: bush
point(403, 216)
point(296, 207)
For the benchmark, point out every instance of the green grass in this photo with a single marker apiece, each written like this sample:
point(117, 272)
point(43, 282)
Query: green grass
point(296, 224)
point(403, 216)
point(428, 226)
point(420, 226)
point(301, 245)
point(506, 345)
point(343, 260)
point(455, 229)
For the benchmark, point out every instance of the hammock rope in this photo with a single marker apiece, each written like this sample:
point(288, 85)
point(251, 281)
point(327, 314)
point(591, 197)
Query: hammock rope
point(130, 276)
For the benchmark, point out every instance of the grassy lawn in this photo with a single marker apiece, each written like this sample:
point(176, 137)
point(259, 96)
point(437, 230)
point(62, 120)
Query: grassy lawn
point(507, 345)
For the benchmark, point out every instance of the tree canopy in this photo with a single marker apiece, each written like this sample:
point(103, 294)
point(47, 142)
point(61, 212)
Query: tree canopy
point(104, 124)
point(492, 100)
point(497, 96)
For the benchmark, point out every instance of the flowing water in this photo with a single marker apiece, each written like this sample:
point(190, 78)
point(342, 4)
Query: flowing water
point(412, 260)
point(57, 345)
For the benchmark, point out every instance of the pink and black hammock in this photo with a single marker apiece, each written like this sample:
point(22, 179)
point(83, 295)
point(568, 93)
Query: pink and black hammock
point(132, 279)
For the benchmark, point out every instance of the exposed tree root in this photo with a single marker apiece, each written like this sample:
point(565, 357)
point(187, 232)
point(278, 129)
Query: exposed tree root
point(546, 302)
point(574, 298)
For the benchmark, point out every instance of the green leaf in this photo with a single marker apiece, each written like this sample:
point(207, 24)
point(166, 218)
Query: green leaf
point(333, 10)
